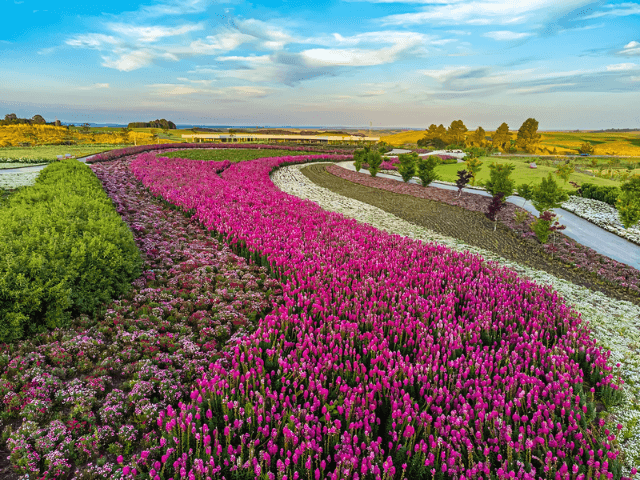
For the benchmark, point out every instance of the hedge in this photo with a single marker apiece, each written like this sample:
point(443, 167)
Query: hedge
point(599, 192)
point(64, 250)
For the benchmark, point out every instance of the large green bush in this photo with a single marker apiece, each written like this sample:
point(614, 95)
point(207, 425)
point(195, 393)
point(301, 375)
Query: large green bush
point(598, 192)
point(64, 250)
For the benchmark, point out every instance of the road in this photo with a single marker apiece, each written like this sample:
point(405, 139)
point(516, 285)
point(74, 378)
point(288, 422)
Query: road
point(581, 230)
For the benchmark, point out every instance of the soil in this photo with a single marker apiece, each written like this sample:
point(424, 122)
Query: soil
point(471, 227)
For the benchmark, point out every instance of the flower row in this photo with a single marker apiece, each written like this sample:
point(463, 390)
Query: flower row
point(388, 358)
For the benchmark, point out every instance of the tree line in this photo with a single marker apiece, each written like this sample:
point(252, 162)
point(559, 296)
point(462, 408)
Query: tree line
point(12, 119)
point(457, 135)
point(163, 124)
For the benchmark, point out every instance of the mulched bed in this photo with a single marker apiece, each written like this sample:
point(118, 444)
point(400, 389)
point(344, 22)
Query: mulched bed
point(471, 227)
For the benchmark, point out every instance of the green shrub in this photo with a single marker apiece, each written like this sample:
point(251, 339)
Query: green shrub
point(407, 167)
point(426, 169)
point(374, 159)
point(598, 192)
point(64, 250)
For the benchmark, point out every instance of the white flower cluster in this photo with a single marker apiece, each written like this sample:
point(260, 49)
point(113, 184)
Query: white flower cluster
point(614, 323)
point(603, 215)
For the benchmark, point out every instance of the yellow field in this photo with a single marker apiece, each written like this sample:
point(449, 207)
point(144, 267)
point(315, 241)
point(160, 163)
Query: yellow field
point(622, 144)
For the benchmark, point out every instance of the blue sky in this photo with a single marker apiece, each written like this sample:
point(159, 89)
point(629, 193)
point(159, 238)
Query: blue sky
point(571, 64)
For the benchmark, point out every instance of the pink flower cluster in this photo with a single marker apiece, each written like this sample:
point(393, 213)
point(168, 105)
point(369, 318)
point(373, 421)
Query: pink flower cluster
point(388, 358)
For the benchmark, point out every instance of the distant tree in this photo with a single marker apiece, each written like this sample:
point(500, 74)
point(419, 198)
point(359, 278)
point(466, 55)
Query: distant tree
point(456, 132)
point(426, 169)
point(38, 120)
point(586, 148)
point(435, 136)
point(10, 117)
point(57, 123)
point(478, 138)
point(502, 138)
point(528, 136)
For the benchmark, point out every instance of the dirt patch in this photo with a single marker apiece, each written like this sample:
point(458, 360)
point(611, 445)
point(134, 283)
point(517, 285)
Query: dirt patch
point(473, 228)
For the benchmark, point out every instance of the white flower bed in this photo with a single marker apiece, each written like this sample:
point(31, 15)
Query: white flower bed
point(614, 323)
point(603, 215)
point(15, 180)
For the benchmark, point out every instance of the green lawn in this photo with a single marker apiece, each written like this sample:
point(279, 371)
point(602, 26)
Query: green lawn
point(234, 155)
point(521, 174)
point(49, 152)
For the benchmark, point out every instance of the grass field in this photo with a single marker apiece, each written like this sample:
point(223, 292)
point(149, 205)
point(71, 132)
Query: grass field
point(233, 155)
point(608, 143)
point(522, 172)
point(49, 152)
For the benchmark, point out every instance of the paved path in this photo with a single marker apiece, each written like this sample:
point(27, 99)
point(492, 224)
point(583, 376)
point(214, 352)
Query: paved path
point(581, 230)
point(35, 168)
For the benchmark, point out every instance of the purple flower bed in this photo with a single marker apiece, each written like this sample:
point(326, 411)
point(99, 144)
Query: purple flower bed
point(387, 359)
point(74, 401)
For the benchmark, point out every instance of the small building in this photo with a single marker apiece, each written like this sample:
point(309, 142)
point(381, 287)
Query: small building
point(262, 138)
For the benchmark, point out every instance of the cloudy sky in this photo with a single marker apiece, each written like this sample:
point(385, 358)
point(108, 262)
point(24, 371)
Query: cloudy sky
point(405, 63)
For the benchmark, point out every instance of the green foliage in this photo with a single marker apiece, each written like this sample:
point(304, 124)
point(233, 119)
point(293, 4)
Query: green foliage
point(525, 191)
point(499, 179)
point(586, 148)
point(374, 159)
point(457, 132)
point(548, 195)
point(603, 193)
point(564, 171)
point(628, 203)
point(359, 157)
point(232, 154)
point(407, 167)
point(426, 169)
point(473, 167)
point(475, 152)
point(528, 136)
point(502, 138)
point(64, 250)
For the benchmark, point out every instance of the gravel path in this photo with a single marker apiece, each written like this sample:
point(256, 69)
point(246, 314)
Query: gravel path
point(615, 323)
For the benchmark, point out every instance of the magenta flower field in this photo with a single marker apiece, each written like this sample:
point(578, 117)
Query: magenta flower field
point(387, 358)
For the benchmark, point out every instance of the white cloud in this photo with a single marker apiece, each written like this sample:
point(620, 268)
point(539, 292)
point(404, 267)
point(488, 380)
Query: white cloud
point(541, 88)
point(223, 42)
point(92, 40)
point(631, 49)
point(352, 57)
point(506, 35)
point(619, 67)
point(485, 12)
point(173, 89)
point(618, 10)
point(95, 86)
point(152, 33)
point(129, 61)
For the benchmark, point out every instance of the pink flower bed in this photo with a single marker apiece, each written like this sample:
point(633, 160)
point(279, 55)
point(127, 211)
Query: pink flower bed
point(387, 359)
point(564, 248)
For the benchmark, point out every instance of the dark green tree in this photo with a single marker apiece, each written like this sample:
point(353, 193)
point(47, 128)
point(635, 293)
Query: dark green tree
point(407, 167)
point(426, 169)
point(528, 136)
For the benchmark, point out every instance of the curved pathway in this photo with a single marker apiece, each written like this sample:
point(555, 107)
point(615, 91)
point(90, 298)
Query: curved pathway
point(36, 168)
point(579, 229)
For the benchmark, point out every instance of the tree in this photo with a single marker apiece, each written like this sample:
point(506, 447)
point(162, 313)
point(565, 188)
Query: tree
point(628, 203)
point(473, 166)
point(374, 159)
point(463, 179)
point(525, 191)
point(426, 169)
point(38, 120)
point(407, 167)
point(500, 186)
point(548, 195)
point(565, 170)
point(586, 148)
point(478, 138)
point(435, 135)
point(456, 132)
point(502, 138)
point(528, 136)
point(10, 117)
point(359, 157)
